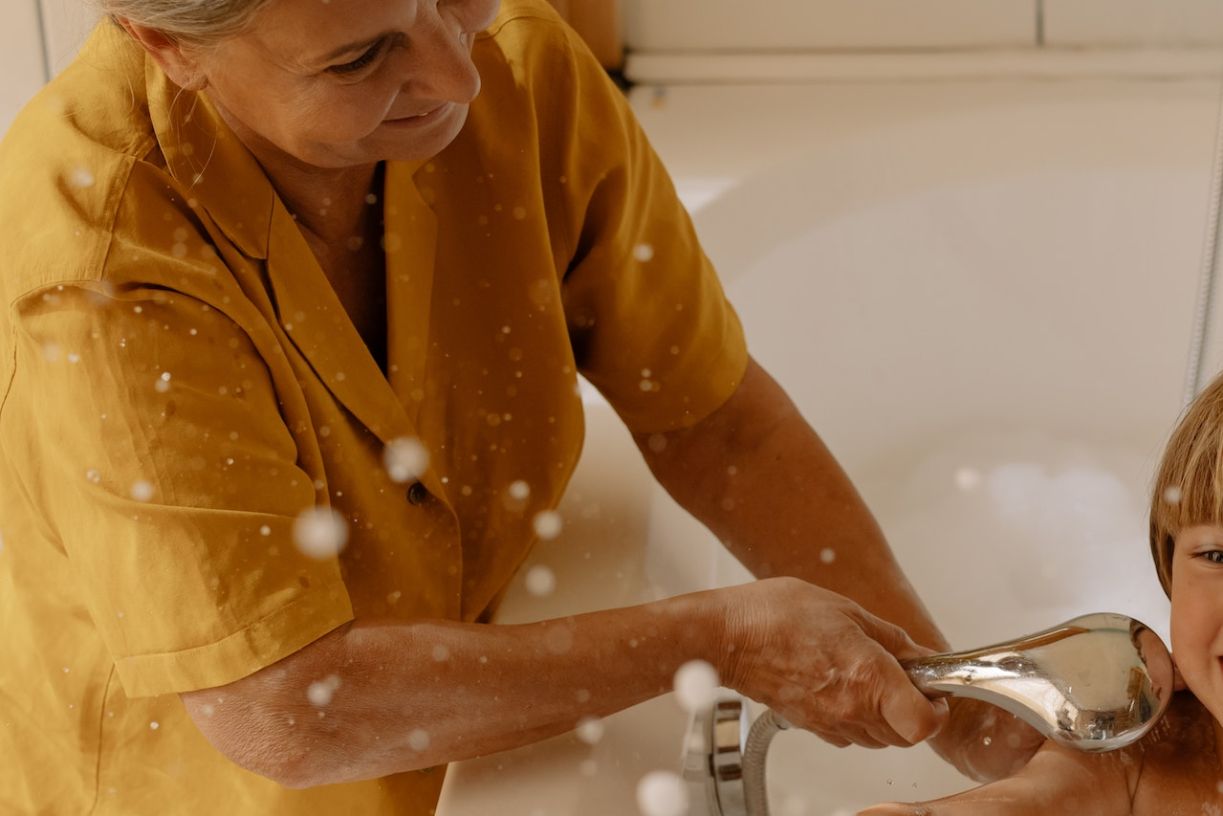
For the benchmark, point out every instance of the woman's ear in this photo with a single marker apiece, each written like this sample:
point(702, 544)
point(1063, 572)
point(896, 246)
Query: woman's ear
point(177, 62)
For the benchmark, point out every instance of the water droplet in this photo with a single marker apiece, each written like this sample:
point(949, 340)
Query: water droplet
point(696, 685)
point(441, 653)
point(541, 581)
point(644, 253)
point(828, 555)
point(320, 532)
point(547, 524)
point(662, 793)
point(154, 725)
point(418, 740)
point(265, 530)
point(142, 491)
point(320, 692)
point(81, 177)
point(519, 490)
point(405, 458)
point(967, 478)
point(590, 730)
point(1172, 495)
point(93, 476)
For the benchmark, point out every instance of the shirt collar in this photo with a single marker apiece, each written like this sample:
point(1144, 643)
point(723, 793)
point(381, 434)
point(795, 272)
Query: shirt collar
point(205, 156)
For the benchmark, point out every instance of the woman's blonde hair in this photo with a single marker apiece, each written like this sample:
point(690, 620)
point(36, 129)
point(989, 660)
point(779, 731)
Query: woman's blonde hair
point(1188, 487)
point(196, 22)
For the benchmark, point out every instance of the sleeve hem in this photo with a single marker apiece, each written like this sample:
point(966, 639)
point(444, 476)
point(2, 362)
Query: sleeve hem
point(256, 646)
point(713, 384)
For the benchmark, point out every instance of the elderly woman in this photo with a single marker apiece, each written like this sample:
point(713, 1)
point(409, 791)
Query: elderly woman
point(283, 276)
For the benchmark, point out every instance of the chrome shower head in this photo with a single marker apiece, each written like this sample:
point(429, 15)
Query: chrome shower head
point(1095, 683)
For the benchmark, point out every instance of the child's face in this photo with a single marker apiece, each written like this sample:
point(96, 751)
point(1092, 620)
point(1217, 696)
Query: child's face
point(1197, 613)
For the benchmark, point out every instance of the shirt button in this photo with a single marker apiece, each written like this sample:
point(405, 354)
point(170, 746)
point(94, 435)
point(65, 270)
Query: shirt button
point(417, 494)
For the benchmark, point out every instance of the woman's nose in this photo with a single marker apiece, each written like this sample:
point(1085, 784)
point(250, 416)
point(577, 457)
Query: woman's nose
point(444, 69)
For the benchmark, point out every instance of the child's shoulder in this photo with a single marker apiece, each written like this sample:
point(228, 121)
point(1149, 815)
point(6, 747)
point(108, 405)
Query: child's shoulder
point(1175, 768)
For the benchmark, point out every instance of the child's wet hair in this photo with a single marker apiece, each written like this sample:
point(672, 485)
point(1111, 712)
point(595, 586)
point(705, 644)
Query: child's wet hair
point(1188, 487)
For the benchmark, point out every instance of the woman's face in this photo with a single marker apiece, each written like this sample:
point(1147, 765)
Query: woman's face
point(1197, 613)
point(339, 83)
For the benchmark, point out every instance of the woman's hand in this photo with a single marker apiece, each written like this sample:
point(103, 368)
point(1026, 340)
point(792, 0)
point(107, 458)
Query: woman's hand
point(824, 664)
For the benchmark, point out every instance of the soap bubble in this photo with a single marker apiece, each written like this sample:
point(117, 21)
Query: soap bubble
point(1172, 495)
point(696, 685)
point(644, 253)
point(142, 491)
point(162, 384)
point(320, 533)
point(547, 524)
point(541, 581)
point(828, 555)
point(590, 730)
point(519, 490)
point(419, 740)
point(405, 459)
point(662, 793)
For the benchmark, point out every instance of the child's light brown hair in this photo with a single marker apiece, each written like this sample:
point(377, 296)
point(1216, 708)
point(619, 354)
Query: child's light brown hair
point(1188, 487)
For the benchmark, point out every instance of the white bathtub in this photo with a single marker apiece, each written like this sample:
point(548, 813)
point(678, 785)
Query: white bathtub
point(980, 295)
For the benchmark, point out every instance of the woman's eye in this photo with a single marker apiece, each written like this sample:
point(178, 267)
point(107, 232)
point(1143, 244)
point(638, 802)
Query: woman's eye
point(1214, 556)
point(360, 62)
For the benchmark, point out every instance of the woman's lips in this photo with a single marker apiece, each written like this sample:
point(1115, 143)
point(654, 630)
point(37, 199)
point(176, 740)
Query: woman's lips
point(422, 119)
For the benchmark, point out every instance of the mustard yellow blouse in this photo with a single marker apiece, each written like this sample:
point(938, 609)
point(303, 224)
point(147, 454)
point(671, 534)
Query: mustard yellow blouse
point(180, 381)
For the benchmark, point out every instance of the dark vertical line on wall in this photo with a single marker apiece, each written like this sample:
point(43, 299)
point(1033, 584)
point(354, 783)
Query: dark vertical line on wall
point(43, 40)
point(1040, 23)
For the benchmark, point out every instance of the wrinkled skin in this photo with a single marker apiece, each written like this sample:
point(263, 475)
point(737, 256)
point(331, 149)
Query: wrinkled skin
point(826, 665)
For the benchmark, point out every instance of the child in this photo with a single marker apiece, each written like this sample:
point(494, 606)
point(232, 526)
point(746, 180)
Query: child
point(1176, 769)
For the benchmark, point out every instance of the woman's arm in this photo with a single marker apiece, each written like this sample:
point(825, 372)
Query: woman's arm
point(392, 696)
point(758, 476)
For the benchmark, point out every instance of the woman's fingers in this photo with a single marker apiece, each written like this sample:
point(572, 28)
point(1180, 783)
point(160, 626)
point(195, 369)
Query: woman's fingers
point(903, 707)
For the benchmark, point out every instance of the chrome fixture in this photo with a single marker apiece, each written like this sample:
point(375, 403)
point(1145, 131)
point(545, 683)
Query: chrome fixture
point(1095, 683)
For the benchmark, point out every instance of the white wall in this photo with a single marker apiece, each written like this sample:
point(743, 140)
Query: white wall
point(37, 37)
point(21, 57)
point(67, 23)
point(763, 25)
point(1133, 22)
point(692, 25)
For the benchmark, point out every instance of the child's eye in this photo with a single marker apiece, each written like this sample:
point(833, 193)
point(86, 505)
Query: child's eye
point(360, 62)
point(1213, 556)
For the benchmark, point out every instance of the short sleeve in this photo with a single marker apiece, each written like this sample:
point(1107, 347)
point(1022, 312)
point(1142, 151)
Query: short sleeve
point(650, 324)
point(159, 460)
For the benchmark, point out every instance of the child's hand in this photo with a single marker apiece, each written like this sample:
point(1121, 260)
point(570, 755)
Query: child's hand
point(1057, 782)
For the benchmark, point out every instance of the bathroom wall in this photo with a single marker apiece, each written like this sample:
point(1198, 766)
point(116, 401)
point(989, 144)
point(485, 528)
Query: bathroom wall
point(730, 25)
point(21, 57)
point(1132, 22)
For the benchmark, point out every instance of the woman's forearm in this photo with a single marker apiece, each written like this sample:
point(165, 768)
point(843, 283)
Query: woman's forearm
point(762, 480)
point(414, 695)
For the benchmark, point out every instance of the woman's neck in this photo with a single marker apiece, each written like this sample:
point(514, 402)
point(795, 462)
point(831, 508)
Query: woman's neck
point(331, 205)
